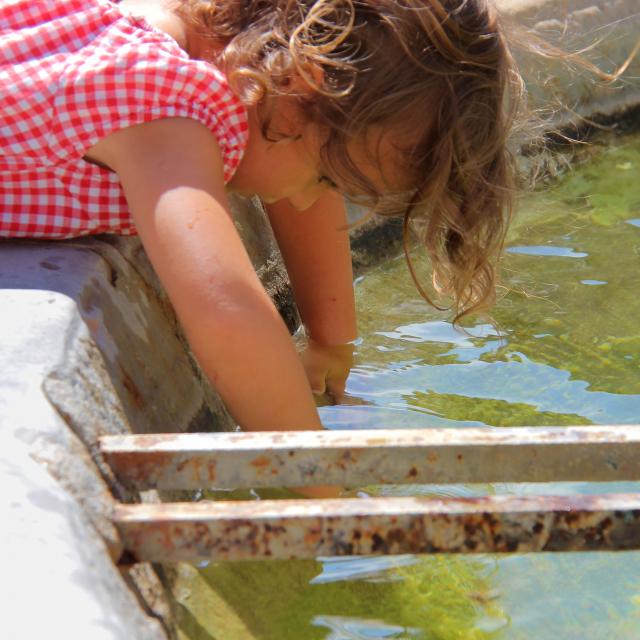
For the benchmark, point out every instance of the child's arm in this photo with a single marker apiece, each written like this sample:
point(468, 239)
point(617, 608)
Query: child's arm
point(315, 247)
point(171, 173)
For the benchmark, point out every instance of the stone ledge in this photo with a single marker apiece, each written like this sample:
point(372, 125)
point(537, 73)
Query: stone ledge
point(56, 535)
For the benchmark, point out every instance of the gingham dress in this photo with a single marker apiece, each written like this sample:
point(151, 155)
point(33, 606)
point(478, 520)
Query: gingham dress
point(71, 72)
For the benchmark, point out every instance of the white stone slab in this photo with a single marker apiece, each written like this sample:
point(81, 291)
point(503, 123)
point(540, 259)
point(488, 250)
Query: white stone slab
point(58, 579)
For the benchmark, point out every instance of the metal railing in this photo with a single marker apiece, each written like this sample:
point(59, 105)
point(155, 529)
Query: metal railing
point(194, 531)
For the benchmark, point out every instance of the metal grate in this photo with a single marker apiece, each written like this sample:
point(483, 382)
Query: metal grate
point(171, 532)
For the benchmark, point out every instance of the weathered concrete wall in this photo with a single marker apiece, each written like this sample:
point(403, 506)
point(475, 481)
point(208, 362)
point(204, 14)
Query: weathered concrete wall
point(605, 32)
point(90, 346)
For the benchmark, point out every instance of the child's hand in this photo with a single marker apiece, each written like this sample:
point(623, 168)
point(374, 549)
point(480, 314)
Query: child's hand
point(327, 367)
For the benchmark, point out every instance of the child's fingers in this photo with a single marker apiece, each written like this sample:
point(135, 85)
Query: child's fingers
point(337, 394)
point(336, 387)
point(317, 382)
point(327, 368)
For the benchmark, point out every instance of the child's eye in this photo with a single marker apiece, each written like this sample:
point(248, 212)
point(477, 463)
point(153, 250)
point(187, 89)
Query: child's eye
point(328, 181)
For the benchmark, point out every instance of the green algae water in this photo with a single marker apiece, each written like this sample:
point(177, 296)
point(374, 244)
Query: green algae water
point(566, 351)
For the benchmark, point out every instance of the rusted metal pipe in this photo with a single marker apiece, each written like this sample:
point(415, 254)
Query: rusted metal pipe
point(356, 458)
point(194, 532)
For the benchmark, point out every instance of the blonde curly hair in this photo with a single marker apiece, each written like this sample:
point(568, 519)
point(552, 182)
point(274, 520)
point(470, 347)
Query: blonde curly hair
point(437, 72)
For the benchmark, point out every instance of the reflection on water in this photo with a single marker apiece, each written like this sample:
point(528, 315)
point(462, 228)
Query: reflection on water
point(566, 351)
point(355, 629)
point(563, 252)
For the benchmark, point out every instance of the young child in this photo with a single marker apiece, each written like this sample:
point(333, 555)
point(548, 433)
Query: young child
point(139, 117)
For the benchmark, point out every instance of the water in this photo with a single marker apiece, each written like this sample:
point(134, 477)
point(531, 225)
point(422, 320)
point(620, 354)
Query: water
point(566, 351)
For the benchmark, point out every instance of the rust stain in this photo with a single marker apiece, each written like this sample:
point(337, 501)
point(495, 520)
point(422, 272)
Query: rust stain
point(285, 537)
point(166, 538)
point(312, 537)
point(260, 462)
point(143, 470)
point(132, 389)
point(192, 467)
point(197, 467)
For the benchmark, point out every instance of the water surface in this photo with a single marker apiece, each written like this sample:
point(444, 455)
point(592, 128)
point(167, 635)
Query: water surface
point(564, 349)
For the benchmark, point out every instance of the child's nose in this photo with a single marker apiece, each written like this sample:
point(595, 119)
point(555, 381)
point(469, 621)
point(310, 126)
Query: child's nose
point(304, 199)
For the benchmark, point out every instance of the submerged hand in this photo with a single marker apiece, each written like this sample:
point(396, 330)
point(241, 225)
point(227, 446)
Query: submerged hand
point(328, 367)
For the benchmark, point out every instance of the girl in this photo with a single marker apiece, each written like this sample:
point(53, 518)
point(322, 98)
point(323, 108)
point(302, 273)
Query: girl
point(139, 117)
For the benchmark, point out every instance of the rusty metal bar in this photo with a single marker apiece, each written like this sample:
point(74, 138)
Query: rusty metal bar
point(307, 529)
point(353, 458)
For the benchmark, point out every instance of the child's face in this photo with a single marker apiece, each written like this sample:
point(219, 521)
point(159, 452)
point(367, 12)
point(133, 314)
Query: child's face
point(288, 168)
point(292, 168)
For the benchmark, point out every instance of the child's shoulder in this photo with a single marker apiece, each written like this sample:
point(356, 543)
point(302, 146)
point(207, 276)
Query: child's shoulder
point(70, 27)
point(159, 15)
point(91, 67)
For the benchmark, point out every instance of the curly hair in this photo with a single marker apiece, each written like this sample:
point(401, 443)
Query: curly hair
point(437, 74)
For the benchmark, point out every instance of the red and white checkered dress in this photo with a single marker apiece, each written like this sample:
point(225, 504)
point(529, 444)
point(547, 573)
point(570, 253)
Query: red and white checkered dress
point(71, 72)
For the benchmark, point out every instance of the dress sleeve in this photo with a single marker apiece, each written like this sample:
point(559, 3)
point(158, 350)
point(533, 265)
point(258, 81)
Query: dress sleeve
point(132, 74)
